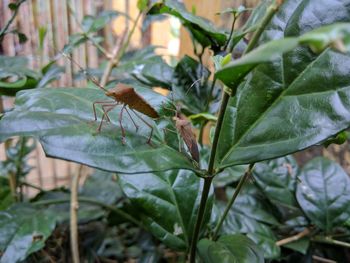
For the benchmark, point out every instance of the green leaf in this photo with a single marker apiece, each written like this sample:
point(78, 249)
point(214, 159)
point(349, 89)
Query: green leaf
point(21, 37)
point(63, 121)
point(13, 6)
point(96, 23)
point(324, 193)
point(249, 215)
point(23, 230)
point(235, 11)
point(233, 73)
point(252, 23)
point(318, 39)
point(338, 139)
point(51, 72)
point(230, 249)
point(142, 4)
point(15, 76)
point(189, 85)
point(154, 73)
point(201, 29)
point(86, 213)
point(102, 186)
point(167, 203)
point(298, 100)
point(200, 117)
point(229, 175)
point(300, 245)
point(277, 180)
point(42, 31)
point(6, 198)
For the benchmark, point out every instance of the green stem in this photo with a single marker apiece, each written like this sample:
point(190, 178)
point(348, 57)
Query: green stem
point(231, 32)
point(201, 132)
point(328, 240)
point(208, 179)
point(116, 210)
point(32, 186)
point(240, 185)
point(201, 212)
point(260, 29)
point(119, 52)
point(219, 123)
point(5, 28)
point(211, 171)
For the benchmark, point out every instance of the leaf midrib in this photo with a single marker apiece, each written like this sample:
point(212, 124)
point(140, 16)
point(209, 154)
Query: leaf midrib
point(278, 99)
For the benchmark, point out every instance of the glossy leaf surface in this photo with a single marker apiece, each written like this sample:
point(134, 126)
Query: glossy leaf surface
point(15, 68)
point(249, 215)
point(167, 204)
point(23, 230)
point(230, 249)
point(62, 119)
point(190, 85)
point(201, 29)
point(298, 100)
point(335, 35)
point(324, 193)
point(277, 179)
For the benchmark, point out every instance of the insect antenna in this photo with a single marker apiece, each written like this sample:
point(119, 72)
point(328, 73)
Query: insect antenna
point(89, 76)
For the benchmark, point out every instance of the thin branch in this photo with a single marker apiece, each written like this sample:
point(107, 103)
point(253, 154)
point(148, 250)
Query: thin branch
point(260, 29)
point(211, 171)
point(331, 241)
point(87, 200)
point(5, 28)
point(201, 212)
point(325, 260)
point(231, 32)
point(74, 206)
point(240, 185)
point(119, 52)
point(294, 238)
point(32, 186)
point(93, 42)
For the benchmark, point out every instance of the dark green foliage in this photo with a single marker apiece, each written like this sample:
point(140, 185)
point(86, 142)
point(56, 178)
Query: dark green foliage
point(288, 93)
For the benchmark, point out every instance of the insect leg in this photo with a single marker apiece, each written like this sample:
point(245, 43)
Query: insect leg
point(105, 113)
point(98, 102)
point(120, 123)
point(136, 126)
point(145, 122)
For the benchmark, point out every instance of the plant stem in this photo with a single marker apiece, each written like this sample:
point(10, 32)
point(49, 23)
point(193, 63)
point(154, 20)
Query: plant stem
point(208, 180)
point(231, 32)
point(118, 211)
point(5, 28)
point(74, 206)
point(201, 212)
point(260, 29)
point(219, 123)
point(119, 52)
point(328, 240)
point(211, 171)
point(294, 238)
point(240, 185)
point(201, 132)
point(93, 42)
point(32, 186)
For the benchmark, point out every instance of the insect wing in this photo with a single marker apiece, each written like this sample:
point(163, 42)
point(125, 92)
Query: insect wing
point(185, 130)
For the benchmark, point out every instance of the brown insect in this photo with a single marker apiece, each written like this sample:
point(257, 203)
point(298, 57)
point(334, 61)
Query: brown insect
point(123, 95)
point(184, 127)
